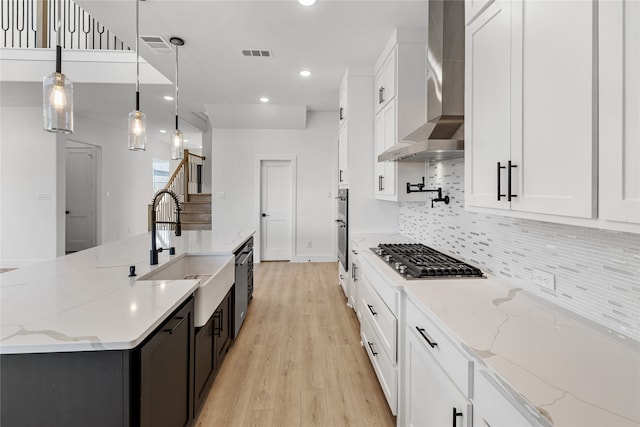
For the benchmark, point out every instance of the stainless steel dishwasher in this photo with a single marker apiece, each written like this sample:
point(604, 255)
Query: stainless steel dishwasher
point(243, 285)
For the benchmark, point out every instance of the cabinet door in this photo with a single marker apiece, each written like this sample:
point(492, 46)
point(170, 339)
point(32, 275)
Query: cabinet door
point(619, 97)
point(385, 137)
point(222, 330)
point(343, 156)
point(380, 168)
point(390, 67)
point(379, 83)
point(474, 7)
point(487, 105)
point(203, 360)
point(166, 395)
point(431, 399)
point(553, 107)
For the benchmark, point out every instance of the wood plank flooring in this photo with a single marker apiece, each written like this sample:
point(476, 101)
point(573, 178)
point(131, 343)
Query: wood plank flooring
point(297, 360)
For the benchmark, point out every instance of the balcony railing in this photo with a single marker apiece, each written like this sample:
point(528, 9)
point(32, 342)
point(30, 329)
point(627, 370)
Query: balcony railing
point(32, 23)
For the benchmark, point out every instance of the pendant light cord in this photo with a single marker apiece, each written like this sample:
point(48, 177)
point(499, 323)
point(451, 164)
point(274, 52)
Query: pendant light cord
point(137, 56)
point(58, 47)
point(177, 87)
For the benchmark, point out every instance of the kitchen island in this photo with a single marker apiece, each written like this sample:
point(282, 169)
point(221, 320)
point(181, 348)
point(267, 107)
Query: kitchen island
point(83, 313)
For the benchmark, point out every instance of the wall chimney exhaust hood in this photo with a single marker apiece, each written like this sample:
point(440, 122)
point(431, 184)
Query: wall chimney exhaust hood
point(442, 134)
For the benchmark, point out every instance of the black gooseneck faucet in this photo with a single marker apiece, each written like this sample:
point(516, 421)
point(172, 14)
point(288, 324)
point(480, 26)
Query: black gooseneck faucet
point(172, 250)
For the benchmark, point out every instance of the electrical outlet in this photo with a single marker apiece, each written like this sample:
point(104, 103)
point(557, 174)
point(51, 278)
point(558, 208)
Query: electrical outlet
point(544, 279)
point(309, 244)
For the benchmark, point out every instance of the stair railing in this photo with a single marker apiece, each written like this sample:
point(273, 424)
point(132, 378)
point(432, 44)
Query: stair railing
point(185, 180)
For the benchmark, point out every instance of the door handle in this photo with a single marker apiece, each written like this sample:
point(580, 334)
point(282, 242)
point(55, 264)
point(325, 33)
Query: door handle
point(264, 214)
point(67, 212)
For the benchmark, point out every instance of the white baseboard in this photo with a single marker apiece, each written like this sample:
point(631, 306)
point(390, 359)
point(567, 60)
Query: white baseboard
point(315, 258)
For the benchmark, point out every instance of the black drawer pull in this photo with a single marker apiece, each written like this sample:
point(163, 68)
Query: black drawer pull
point(371, 348)
point(172, 330)
point(433, 344)
point(371, 309)
point(500, 195)
point(509, 194)
point(456, 414)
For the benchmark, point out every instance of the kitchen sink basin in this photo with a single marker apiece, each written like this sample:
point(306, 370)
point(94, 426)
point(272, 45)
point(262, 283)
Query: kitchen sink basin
point(215, 273)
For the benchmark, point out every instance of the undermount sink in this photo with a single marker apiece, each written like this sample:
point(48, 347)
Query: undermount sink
point(216, 275)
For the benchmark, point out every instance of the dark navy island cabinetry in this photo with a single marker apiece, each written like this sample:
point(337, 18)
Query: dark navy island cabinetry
point(150, 385)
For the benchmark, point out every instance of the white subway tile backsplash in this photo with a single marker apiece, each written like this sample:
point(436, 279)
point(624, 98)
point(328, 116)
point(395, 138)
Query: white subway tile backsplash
point(597, 272)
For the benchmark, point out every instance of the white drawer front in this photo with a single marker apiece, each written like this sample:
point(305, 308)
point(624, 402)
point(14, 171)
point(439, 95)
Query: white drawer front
point(385, 370)
point(493, 407)
point(457, 365)
point(382, 319)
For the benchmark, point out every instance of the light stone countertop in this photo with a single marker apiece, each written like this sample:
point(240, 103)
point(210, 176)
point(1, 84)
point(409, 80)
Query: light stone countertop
point(566, 369)
point(85, 301)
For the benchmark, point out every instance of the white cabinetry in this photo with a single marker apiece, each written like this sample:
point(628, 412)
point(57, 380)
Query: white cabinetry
point(400, 94)
point(530, 108)
point(343, 155)
point(378, 330)
point(343, 279)
point(619, 114)
point(494, 407)
point(437, 380)
point(354, 289)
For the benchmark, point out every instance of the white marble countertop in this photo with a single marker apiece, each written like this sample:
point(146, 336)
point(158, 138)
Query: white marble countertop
point(85, 301)
point(572, 371)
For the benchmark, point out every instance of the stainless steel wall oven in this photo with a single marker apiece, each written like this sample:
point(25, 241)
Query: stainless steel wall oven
point(343, 227)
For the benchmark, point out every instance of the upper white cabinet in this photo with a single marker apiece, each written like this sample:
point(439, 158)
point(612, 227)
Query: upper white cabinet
point(385, 81)
point(619, 113)
point(474, 7)
point(343, 97)
point(343, 156)
point(531, 108)
point(399, 103)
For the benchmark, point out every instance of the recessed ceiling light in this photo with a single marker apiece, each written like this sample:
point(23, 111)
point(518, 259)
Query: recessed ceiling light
point(305, 73)
point(185, 140)
point(264, 99)
point(168, 98)
point(307, 2)
point(163, 131)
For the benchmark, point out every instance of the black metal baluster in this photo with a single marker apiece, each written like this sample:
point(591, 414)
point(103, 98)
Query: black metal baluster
point(5, 18)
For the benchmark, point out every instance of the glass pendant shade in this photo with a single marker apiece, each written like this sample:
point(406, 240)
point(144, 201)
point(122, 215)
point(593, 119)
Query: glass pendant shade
point(57, 103)
point(177, 145)
point(137, 130)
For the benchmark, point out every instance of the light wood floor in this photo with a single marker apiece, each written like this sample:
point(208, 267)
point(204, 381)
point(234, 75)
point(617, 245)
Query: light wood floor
point(297, 360)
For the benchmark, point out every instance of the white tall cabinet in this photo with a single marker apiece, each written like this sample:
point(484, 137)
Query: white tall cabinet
point(531, 109)
point(400, 108)
point(619, 114)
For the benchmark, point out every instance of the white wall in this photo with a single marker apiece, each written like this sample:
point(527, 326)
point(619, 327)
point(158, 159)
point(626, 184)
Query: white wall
point(126, 176)
point(28, 217)
point(234, 169)
point(32, 184)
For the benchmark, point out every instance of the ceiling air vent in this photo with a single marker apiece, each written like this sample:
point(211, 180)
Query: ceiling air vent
point(157, 45)
point(263, 53)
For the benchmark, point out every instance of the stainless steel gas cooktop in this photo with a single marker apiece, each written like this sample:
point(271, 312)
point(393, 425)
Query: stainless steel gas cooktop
point(417, 261)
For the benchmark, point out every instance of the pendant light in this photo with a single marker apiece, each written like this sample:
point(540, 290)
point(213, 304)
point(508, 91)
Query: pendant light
point(57, 92)
point(137, 119)
point(177, 139)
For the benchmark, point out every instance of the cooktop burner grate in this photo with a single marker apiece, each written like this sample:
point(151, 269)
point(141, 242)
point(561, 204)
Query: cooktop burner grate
point(415, 260)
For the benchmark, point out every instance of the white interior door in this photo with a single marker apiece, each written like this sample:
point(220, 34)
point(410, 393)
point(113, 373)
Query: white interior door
point(80, 198)
point(275, 210)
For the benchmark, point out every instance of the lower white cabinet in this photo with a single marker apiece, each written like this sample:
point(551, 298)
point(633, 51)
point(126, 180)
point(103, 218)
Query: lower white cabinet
point(354, 287)
point(343, 279)
point(494, 406)
point(431, 398)
point(438, 375)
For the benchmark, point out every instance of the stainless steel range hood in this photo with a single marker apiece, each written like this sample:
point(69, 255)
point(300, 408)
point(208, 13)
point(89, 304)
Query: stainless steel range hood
point(442, 134)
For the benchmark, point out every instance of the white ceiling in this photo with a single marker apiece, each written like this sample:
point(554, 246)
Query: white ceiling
point(324, 38)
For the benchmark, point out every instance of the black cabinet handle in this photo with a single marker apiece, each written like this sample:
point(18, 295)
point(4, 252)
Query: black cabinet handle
point(371, 309)
point(355, 273)
point(217, 330)
point(381, 95)
point(264, 214)
point(172, 330)
point(433, 344)
point(371, 348)
point(340, 176)
point(341, 111)
point(380, 186)
point(500, 195)
point(509, 194)
point(456, 414)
